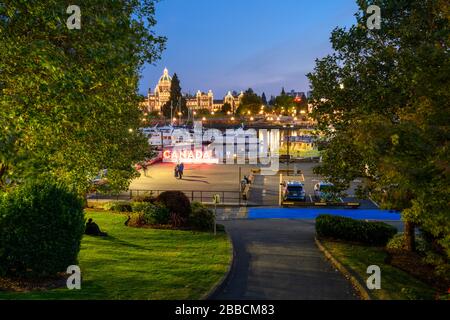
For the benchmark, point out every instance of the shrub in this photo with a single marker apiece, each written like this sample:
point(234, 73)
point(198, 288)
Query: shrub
point(178, 204)
point(145, 198)
point(41, 226)
point(118, 206)
point(135, 219)
point(201, 218)
point(152, 213)
point(341, 228)
point(398, 243)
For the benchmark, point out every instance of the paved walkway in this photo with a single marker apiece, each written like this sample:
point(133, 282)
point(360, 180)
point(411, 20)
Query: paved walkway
point(278, 259)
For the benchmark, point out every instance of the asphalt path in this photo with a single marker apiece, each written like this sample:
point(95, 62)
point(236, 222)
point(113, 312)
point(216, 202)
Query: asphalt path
point(278, 260)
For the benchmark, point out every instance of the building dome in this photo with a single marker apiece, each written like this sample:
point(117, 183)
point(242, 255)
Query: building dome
point(165, 76)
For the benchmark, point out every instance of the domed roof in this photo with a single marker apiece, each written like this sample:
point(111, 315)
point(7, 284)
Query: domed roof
point(165, 76)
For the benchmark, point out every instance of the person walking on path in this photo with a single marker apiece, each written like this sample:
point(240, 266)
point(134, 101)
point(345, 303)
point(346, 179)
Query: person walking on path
point(181, 170)
point(177, 171)
point(145, 167)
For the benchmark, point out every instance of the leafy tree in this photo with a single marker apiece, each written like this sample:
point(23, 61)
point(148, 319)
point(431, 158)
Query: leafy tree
point(284, 103)
point(68, 98)
point(226, 108)
point(250, 102)
point(382, 103)
point(177, 101)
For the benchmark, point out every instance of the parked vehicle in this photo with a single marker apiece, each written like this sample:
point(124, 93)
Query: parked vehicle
point(294, 191)
point(324, 191)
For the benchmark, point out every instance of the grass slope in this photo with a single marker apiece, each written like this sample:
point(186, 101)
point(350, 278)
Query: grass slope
point(395, 283)
point(143, 264)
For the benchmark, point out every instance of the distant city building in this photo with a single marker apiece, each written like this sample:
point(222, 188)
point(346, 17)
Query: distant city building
point(297, 95)
point(161, 96)
point(201, 100)
point(233, 99)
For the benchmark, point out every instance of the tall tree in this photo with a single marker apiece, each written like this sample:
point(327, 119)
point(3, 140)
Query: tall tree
point(177, 101)
point(264, 98)
point(382, 102)
point(283, 92)
point(272, 101)
point(68, 98)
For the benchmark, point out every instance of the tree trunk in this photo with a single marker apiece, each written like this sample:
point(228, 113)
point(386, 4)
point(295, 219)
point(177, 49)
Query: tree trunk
point(410, 236)
point(2, 173)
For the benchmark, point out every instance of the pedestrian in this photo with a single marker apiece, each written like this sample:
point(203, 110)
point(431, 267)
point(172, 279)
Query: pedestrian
point(177, 171)
point(93, 229)
point(181, 170)
point(145, 167)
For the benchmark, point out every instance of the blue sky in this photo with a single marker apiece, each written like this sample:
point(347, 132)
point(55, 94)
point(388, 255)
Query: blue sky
point(236, 44)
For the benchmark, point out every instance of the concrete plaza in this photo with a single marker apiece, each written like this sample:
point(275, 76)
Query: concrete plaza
point(197, 177)
point(203, 180)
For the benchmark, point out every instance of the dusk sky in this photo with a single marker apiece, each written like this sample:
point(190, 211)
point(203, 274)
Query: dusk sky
point(236, 44)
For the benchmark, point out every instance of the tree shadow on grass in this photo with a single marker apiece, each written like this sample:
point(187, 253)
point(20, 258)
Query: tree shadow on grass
point(117, 241)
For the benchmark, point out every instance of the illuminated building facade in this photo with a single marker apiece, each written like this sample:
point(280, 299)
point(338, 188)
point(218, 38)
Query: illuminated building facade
point(201, 100)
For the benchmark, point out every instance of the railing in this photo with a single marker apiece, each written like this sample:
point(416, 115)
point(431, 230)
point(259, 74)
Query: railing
point(203, 196)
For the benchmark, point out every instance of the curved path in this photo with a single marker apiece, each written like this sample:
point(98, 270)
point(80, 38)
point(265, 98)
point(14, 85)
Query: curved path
point(278, 260)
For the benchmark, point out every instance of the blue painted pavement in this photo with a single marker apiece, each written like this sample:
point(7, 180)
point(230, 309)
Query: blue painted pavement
point(312, 213)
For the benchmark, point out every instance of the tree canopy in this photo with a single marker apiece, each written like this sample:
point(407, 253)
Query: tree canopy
point(177, 101)
point(382, 103)
point(250, 102)
point(68, 98)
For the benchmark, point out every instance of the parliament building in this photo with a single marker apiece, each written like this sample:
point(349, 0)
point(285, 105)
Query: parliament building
point(201, 100)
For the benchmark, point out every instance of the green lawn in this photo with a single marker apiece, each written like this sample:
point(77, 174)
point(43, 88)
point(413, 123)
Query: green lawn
point(143, 264)
point(395, 284)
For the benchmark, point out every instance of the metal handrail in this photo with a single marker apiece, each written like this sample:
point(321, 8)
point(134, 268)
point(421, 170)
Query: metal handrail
point(193, 195)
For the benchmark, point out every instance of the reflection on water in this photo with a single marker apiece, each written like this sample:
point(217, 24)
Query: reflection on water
point(301, 143)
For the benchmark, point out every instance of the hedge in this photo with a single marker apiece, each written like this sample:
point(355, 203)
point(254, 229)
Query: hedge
point(41, 226)
point(341, 228)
